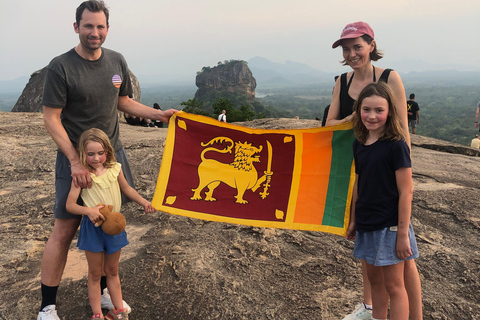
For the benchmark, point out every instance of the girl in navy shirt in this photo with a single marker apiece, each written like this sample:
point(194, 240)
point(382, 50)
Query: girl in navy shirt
point(382, 199)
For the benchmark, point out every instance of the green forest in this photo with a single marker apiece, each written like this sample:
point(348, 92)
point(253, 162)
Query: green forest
point(447, 112)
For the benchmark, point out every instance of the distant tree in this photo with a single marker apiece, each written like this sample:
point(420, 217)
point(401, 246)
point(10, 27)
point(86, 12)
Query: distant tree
point(246, 113)
point(225, 104)
point(447, 112)
point(195, 107)
point(204, 69)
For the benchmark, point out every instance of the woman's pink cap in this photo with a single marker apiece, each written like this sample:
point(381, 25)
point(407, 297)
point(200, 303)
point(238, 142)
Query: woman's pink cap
point(354, 30)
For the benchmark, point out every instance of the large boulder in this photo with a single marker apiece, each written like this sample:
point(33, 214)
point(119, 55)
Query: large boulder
point(31, 98)
point(233, 77)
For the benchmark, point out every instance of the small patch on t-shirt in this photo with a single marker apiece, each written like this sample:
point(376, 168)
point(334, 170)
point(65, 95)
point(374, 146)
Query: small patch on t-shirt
point(117, 81)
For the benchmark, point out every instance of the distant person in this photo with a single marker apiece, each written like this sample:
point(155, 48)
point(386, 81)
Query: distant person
point(325, 112)
point(413, 115)
point(157, 123)
point(475, 142)
point(83, 88)
point(476, 115)
point(359, 50)
point(102, 250)
point(222, 116)
point(135, 121)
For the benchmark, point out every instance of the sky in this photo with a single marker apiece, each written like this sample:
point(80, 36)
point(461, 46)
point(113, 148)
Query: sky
point(166, 38)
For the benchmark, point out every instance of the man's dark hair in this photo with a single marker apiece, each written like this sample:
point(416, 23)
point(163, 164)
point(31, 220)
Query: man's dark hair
point(92, 6)
point(412, 96)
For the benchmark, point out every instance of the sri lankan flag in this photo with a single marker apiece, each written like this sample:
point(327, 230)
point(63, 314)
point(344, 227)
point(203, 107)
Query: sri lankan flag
point(296, 179)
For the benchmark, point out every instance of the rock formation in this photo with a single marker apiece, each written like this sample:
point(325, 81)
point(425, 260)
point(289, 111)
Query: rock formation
point(31, 98)
point(233, 77)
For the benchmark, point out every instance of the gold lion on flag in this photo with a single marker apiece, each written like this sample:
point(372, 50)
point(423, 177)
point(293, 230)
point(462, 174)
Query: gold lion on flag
point(240, 174)
point(224, 172)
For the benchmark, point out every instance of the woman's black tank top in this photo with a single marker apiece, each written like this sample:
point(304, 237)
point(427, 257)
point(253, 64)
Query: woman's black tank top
point(347, 102)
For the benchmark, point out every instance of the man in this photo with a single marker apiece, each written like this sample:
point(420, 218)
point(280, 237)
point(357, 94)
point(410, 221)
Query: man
point(476, 115)
point(222, 117)
point(475, 142)
point(83, 88)
point(413, 115)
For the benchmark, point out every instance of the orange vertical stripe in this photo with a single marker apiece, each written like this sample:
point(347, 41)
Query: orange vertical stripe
point(316, 162)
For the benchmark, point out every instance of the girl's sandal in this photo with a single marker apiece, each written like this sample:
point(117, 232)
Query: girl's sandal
point(98, 316)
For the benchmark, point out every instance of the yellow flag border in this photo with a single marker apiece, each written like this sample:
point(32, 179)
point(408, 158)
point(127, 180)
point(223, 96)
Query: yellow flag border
point(167, 158)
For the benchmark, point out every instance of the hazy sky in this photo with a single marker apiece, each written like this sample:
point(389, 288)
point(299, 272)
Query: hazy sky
point(160, 37)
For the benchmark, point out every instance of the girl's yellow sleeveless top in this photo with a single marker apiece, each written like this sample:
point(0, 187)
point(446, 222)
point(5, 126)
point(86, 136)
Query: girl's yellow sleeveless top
point(105, 189)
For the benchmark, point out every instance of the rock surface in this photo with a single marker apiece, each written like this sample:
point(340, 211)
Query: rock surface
point(232, 77)
point(181, 268)
point(31, 98)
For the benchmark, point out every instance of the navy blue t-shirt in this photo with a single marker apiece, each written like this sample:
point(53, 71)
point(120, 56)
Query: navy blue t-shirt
point(377, 202)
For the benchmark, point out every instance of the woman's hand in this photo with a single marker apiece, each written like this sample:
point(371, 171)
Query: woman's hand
point(349, 118)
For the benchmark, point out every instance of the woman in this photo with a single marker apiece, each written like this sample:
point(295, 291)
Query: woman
point(359, 50)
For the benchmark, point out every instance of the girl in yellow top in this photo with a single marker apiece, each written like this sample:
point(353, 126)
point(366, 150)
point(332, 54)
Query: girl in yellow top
point(102, 250)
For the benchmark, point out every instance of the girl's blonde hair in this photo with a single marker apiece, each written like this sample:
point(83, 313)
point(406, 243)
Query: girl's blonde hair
point(393, 128)
point(95, 135)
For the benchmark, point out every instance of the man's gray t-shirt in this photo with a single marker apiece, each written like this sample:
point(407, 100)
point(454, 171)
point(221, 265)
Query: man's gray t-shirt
point(88, 92)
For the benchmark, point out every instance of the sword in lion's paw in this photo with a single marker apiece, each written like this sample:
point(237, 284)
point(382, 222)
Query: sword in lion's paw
point(267, 173)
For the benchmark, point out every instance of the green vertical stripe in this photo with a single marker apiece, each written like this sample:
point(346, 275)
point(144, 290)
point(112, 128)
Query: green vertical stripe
point(341, 165)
